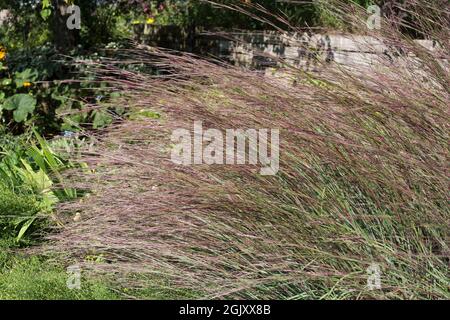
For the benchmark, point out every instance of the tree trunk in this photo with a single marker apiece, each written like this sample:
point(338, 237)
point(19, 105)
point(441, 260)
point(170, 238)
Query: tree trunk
point(63, 38)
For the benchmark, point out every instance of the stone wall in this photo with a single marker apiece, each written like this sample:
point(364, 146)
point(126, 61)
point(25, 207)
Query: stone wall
point(265, 49)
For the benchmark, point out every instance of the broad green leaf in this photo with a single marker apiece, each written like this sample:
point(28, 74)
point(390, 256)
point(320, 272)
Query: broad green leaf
point(45, 13)
point(46, 9)
point(24, 228)
point(22, 104)
point(21, 100)
point(20, 115)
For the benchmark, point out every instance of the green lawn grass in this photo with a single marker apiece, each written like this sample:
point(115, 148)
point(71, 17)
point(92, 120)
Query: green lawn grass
point(36, 278)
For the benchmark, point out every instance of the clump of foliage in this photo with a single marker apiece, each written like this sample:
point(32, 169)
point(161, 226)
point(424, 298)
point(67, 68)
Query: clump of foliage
point(29, 179)
point(362, 180)
point(40, 83)
point(20, 95)
point(15, 209)
point(38, 89)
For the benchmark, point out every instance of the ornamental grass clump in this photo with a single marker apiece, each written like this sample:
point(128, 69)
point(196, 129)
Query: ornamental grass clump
point(361, 191)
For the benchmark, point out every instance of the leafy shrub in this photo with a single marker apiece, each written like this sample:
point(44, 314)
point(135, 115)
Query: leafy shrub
point(28, 175)
point(16, 209)
point(36, 90)
point(30, 93)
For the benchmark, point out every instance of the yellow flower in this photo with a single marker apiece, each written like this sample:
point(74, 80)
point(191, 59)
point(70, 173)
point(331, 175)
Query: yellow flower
point(27, 84)
point(2, 53)
point(150, 21)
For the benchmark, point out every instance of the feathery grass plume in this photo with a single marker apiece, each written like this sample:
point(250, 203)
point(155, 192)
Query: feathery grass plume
point(362, 179)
